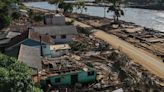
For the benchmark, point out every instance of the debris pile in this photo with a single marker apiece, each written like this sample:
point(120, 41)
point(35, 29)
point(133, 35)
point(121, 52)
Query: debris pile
point(114, 69)
point(145, 38)
point(88, 43)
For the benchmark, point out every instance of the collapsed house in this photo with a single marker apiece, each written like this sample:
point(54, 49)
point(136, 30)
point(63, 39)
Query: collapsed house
point(64, 72)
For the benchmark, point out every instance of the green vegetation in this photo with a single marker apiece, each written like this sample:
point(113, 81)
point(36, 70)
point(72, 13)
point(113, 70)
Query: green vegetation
point(4, 21)
point(37, 18)
point(5, 17)
point(68, 7)
point(80, 5)
point(115, 7)
point(15, 76)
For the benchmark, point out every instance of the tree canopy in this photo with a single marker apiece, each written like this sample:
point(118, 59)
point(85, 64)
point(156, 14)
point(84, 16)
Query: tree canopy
point(114, 7)
point(5, 18)
point(15, 76)
point(68, 7)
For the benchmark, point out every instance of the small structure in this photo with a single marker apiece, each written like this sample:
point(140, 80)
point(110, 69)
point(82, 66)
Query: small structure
point(60, 34)
point(31, 57)
point(54, 19)
point(64, 72)
point(52, 51)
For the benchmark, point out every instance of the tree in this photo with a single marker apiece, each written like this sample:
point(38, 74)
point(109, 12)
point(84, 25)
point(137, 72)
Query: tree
point(4, 21)
point(80, 5)
point(116, 8)
point(15, 76)
point(68, 7)
point(5, 18)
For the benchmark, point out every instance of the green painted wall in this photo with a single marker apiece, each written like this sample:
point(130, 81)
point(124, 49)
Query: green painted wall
point(65, 79)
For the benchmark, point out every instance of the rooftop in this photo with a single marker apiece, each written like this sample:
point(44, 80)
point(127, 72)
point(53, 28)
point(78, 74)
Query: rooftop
point(12, 34)
point(60, 47)
point(62, 65)
point(37, 37)
point(30, 56)
point(56, 30)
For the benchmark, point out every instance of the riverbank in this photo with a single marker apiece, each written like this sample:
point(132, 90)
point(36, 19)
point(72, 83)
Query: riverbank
point(150, 7)
point(147, 39)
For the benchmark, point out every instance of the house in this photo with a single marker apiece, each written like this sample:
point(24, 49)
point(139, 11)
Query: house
point(29, 38)
point(65, 72)
point(31, 56)
point(5, 38)
point(52, 51)
point(60, 34)
point(54, 19)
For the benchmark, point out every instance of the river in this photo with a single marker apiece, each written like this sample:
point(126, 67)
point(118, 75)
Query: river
point(147, 18)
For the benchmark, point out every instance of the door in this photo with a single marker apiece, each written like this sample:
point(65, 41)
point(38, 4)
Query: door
point(74, 79)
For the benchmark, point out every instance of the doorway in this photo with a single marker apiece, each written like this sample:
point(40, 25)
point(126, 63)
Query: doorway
point(74, 79)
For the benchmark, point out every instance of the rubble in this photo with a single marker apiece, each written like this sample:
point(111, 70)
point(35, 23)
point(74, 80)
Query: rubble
point(115, 70)
point(145, 38)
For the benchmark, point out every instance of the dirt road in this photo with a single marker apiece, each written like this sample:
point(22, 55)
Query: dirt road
point(147, 60)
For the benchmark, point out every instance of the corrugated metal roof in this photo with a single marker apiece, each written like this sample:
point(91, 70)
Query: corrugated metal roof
point(12, 34)
point(56, 30)
point(30, 56)
point(4, 41)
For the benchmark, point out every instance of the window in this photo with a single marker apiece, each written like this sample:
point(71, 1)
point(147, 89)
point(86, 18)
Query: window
point(57, 80)
point(91, 73)
point(53, 37)
point(63, 36)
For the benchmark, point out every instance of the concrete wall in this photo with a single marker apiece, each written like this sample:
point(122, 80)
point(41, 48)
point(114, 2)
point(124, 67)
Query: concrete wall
point(55, 20)
point(65, 79)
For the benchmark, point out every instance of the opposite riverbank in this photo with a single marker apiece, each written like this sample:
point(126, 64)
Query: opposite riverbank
point(150, 7)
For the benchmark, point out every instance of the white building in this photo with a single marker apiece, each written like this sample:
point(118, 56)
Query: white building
point(60, 34)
